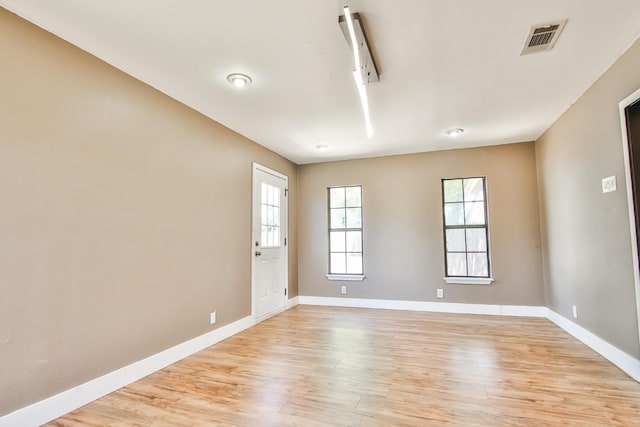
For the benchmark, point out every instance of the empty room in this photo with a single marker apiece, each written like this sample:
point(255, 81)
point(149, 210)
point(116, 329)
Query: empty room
point(319, 213)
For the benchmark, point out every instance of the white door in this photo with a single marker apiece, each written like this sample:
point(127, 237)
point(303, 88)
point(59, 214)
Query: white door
point(268, 246)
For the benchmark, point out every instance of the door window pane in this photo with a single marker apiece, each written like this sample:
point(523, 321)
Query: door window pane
point(270, 216)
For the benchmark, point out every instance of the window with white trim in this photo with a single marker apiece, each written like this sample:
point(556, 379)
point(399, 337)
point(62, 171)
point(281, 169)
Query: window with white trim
point(466, 230)
point(345, 231)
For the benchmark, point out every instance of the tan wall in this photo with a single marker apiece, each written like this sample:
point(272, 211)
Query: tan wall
point(586, 237)
point(403, 237)
point(125, 218)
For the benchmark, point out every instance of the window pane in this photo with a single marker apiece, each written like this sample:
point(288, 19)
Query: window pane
point(474, 213)
point(453, 214)
point(337, 241)
point(354, 263)
point(354, 198)
point(338, 219)
point(456, 264)
point(338, 263)
point(263, 237)
point(276, 196)
point(264, 193)
point(354, 241)
point(473, 190)
point(354, 217)
point(336, 197)
point(276, 236)
point(269, 220)
point(263, 215)
point(478, 265)
point(455, 240)
point(452, 190)
point(476, 240)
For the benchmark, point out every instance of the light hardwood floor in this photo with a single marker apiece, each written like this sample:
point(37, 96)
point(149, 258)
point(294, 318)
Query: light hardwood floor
point(312, 366)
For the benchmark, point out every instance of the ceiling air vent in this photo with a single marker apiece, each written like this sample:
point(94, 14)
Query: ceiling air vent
point(543, 37)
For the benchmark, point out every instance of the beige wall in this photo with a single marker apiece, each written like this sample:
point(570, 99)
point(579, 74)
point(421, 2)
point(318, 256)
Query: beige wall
point(403, 238)
point(125, 218)
point(586, 237)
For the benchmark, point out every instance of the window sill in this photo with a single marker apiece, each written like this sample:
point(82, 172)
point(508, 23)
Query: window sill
point(346, 277)
point(469, 280)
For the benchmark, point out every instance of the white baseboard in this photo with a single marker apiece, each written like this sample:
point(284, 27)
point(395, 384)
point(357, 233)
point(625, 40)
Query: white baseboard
point(292, 302)
point(62, 403)
point(438, 307)
point(622, 360)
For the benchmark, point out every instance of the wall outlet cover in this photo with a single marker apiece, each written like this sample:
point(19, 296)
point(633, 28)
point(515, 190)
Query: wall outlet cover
point(440, 293)
point(343, 289)
point(212, 317)
point(609, 184)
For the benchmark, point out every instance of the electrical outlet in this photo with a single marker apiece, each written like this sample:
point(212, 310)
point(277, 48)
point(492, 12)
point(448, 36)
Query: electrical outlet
point(609, 184)
point(575, 312)
point(440, 293)
point(343, 289)
point(212, 317)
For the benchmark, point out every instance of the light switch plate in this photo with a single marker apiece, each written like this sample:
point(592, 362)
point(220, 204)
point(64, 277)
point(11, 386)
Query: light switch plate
point(609, 184)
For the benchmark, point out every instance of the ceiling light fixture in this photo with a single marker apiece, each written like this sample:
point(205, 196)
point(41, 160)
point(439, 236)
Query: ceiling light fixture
point(365, 69)
point(455, 132)
point(239, 80)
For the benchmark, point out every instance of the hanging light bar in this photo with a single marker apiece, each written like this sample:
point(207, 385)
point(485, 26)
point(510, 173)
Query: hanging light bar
point(365, 68)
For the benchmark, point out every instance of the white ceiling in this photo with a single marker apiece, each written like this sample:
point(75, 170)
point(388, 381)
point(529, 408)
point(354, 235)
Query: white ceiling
point(443, 64)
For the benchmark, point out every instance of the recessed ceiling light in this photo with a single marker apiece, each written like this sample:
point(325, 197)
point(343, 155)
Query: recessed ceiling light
point(455, 132)
point(322, 147)
point(239, 80)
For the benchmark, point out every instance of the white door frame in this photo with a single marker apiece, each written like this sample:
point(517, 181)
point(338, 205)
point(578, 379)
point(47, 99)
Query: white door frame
point(632, 217)
point(285, 220)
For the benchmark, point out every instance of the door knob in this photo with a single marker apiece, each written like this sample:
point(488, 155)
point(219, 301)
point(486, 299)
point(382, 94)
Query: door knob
point(258, 253)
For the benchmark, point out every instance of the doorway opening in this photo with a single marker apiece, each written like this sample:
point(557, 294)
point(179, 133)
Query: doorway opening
point(630, 120)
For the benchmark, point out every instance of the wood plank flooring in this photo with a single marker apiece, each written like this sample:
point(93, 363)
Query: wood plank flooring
point(319, 366)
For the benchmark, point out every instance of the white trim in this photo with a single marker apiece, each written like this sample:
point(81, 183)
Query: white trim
point(275, 173)
point(292, 302)
point(630, 206)
point(468, 280)
point(62, 403)
point(438, 307)
point(622, 360)
point(346, 277)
